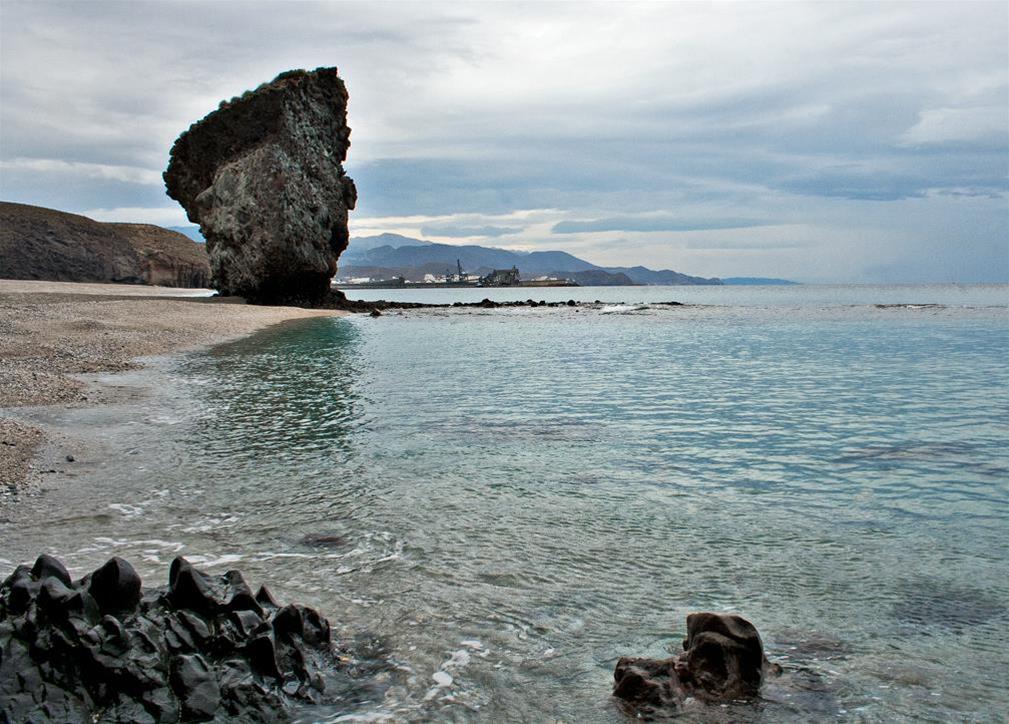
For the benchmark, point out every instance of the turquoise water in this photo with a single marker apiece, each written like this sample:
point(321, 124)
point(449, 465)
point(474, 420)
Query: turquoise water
point(500, 503)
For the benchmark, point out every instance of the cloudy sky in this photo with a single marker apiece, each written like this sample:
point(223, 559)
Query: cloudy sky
point(816, 141)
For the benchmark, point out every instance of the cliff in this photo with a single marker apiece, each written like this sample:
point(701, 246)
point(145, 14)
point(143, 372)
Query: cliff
point(45, 244)
point(167, 258)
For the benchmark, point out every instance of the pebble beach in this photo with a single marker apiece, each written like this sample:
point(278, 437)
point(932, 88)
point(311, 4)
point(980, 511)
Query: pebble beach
point(52, 332)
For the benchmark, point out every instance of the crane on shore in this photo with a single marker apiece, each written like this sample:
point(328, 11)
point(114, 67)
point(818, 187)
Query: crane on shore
point(459, 275)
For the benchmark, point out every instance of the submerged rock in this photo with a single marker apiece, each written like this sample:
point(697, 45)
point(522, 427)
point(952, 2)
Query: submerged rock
point(722, 660)
point(263, 177)
point(202, 648)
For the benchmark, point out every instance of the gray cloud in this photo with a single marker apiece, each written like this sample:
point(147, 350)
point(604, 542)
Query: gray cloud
point(458, 232)
point(652, 223)
point(891, 118)
point(744, 245)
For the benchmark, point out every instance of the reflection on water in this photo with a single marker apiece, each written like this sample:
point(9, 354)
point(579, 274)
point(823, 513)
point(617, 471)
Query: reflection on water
point(291, 396)
point(501, 503)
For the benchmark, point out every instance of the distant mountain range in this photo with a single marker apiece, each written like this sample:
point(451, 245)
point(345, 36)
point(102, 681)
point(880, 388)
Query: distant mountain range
point(193, 232)
point(392, 255)
point(367, 243)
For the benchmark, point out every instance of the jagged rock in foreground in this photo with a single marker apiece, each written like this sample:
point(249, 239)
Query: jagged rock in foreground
point(262, 176)
point(45, 244)
point(722, 660)
point(203, 647)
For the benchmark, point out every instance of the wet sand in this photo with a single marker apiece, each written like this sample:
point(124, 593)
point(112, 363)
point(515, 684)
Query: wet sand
point(52, 331)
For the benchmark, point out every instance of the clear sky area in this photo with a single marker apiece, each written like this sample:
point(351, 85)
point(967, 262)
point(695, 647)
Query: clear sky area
point(822, 142)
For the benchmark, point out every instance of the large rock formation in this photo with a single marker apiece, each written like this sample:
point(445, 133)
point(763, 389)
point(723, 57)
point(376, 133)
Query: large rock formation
point(723, 659)
point(45, 244)
point(262, 176)
point(203, 647)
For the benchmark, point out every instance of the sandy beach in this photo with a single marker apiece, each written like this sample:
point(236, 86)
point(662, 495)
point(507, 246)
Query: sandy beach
point(52, 331)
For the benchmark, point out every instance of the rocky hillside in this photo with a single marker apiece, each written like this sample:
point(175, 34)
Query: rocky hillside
point(167, 258)
point(597, 278)
point(38, 243)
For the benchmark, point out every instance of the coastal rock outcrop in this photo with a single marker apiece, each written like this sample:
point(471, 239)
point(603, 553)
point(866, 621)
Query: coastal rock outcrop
point(263, 177)
point(203, 647)
point(722, 660)
point(167, 258)
point(51, 245)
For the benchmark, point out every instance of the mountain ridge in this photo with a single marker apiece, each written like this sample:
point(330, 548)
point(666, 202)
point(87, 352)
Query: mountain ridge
point(369, 253)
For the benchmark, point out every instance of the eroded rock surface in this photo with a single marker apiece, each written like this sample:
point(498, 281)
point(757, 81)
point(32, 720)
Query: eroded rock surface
point(46, 244)
point(722, 660)
point(263, 177)
point(203, 647)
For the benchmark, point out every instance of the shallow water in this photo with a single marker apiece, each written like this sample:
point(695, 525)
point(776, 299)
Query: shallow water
point(502, 502)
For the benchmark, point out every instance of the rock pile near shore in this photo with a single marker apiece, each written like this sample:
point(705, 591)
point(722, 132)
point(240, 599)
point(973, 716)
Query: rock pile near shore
point(263, 177)
point(203, 647)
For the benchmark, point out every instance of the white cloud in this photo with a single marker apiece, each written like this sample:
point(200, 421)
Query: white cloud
point(530, 220)
point(939, 125)
point(161, 216)
point(128, 174)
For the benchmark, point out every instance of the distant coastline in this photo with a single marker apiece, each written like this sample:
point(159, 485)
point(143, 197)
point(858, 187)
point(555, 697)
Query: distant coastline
point(50, 245)
point(392, 256)
point(403, 284)
point(395, 284)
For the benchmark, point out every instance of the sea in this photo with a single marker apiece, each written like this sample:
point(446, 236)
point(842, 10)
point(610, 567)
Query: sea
point(492, 506)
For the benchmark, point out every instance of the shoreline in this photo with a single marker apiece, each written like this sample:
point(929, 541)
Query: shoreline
point(51, 333)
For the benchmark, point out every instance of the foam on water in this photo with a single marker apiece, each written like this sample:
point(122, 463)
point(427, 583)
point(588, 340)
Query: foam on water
point(622, 308)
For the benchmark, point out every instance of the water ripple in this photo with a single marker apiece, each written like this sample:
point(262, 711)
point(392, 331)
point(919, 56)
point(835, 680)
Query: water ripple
point(561, 487)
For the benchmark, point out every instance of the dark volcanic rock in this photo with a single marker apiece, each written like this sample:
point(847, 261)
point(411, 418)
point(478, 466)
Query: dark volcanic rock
point(46, 565)
point(723, 659)
point(115, 586)
point(202, 648)
point(262, 176)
